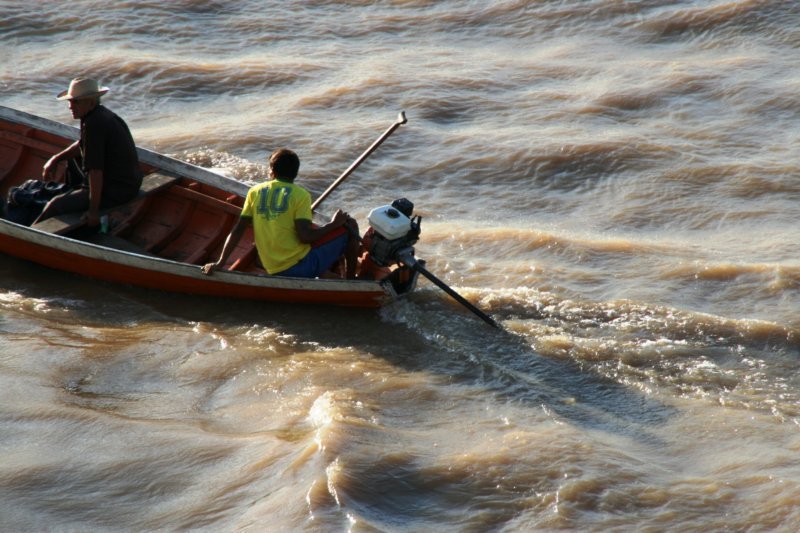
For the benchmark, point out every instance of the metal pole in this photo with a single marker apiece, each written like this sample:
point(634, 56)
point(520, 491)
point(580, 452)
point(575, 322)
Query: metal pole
point(401, 119)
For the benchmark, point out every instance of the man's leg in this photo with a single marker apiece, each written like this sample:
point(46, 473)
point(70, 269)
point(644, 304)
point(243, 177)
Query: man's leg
point(353, 249)
point(77, 200)
point(321, 257)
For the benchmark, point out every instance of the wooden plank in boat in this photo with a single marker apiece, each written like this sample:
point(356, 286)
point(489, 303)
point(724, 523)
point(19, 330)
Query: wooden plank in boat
point(67, 222)
point(117, 243)
point(17, 139)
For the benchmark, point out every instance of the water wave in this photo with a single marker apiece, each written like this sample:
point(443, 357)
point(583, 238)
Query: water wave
point(731, 17)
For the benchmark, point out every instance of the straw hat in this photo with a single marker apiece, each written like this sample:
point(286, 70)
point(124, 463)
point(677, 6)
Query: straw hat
point(82, 88)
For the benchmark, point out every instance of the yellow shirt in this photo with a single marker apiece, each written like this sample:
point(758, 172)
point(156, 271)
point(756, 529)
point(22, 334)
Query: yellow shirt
point(273, 207)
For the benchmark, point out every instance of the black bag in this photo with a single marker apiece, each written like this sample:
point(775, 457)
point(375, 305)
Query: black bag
point(26, 202)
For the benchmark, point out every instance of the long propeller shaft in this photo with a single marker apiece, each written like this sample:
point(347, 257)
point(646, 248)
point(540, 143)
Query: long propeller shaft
point(412, 262)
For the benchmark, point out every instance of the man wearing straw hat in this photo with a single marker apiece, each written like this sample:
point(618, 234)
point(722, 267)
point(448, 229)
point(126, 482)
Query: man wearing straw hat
point(104, 158)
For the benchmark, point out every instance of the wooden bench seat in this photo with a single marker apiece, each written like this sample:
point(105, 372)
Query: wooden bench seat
point(117, 243)
point(68, 222)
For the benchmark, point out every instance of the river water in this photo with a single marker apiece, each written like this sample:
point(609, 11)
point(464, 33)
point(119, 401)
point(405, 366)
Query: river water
point(616, 183)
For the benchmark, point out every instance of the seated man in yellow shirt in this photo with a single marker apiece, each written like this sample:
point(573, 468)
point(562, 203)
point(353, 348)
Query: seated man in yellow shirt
point(287, 242)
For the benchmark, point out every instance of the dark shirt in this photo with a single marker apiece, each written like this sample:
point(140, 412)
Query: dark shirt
point(107, 145)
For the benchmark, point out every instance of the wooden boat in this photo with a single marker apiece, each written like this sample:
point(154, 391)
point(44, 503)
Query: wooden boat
point(160, 239)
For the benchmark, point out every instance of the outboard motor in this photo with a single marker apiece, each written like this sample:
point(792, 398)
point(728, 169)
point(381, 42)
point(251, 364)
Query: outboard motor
point(394, 231)
point(389, 252)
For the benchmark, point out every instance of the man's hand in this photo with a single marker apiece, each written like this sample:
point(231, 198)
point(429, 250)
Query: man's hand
point(49, 168)
point(339, 218)
point(209, 268)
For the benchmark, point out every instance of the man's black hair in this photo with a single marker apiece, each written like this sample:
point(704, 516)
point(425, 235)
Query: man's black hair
point(285, 163)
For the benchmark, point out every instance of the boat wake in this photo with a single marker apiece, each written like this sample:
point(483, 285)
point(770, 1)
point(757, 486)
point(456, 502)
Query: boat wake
point(623, 345)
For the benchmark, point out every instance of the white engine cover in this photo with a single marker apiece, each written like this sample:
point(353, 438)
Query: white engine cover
point(389, 222)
